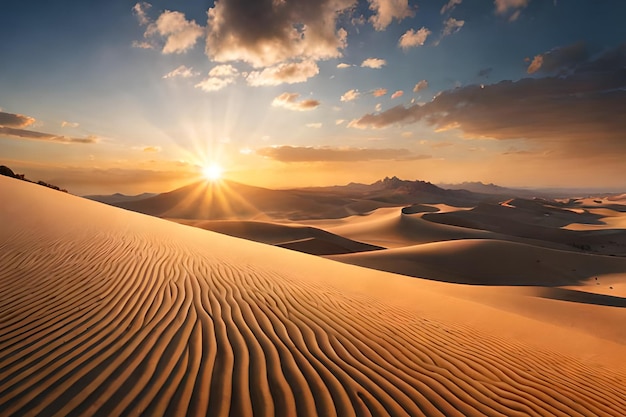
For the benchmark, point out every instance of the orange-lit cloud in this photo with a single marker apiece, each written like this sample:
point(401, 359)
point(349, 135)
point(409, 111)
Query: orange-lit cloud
point(559, 59)
point(290, 101)
point(328, 154)
point(375, 63)
point(343, 65)
point(421, 85)
point(31, 134)
point(181, 71)
point(12, 126)
point(287, 73)
point(282, 31)
point(379, 92)
point(451, 26)
point(411, 38)
point(350, 95)
point(448, 7)
point(179, 33)
point(397, 94)
point(577, 114)
point(15, 120)
point(210, 84)
point(510, 7)
point(151, 149)
point(387, 10)
point(65, 123)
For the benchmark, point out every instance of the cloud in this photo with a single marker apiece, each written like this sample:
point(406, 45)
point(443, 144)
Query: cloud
point(350, 95)
point(485, 72)
point(211, 84)
point(139, 10)
point(510, 7)
point(379, 92)
point(65, 123)
point(378, 107)
point(387, 10)
point(580, 113)
point(15, 120)
point(286, 73)
point(342, 65)
point(152, 149)
point(375, 63)
point(179, 33)
point(225, 71)
point(314, 125)
point(411, 39)
point(290, 101)
point(181, 71)
point(268, 32)
point(339, 122)
point(421, 85)
point(219, 77)
point(451, 26)
point(559, 59)
point(397, 94)
point(329, 154)
point(49, 137)
point(142, 45)
point(448, 7)
point(12, 126)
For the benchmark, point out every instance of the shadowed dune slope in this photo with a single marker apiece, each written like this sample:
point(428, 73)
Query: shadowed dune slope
point(301, 238)
point(489, 262)
point(107, 312)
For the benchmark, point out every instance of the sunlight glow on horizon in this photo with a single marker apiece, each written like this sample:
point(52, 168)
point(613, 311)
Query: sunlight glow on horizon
point(212, 172)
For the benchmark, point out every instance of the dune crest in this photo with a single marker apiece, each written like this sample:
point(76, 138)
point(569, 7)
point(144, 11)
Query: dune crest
point(110, 312)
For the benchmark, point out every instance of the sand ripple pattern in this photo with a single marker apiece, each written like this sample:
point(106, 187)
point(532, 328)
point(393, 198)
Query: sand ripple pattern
point(136, 320)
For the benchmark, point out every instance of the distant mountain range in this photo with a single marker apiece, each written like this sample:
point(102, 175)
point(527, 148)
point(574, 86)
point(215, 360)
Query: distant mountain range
point(231, 200)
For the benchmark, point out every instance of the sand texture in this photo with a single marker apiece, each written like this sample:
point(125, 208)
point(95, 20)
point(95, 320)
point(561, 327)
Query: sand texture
point(109, 312)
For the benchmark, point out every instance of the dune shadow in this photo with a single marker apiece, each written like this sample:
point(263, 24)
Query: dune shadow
point(582, 297)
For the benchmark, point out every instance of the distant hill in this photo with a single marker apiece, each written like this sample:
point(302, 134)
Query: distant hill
point(119, 198)
point(226, 200)
point(479, 187)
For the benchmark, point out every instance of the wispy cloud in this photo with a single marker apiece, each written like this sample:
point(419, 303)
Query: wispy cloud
point(450, 5)
point(290, 101)
point(12, 126)
point(512, 8)
point(330, 154)
point(350, 95)
point(287, 73)
point(65, 123)
point(451, 26)
point(421, 85)
point(560, 59)
point(182, 71)
point(379, 92)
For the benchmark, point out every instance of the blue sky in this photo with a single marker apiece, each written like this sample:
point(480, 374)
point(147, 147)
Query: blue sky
point(125, 96)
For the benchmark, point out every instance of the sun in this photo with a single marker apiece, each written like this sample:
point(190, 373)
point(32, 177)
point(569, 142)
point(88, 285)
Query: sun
point(212, 172)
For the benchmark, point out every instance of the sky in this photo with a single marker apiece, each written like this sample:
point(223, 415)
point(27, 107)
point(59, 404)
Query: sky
point(120, 96)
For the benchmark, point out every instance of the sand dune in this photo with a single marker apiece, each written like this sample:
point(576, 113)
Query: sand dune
point(489, 262)
point(292, 236)
point(108, 312)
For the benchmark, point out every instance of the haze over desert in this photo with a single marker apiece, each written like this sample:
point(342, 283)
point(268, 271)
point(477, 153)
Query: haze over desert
point(313, 208)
